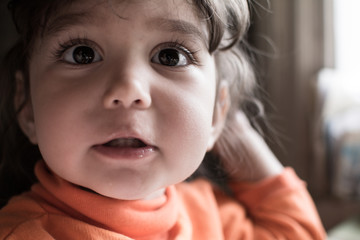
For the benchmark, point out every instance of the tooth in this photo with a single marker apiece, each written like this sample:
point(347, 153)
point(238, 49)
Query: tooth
point(125, 142)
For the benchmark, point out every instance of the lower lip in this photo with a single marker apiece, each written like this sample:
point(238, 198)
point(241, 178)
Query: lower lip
point(126, 153)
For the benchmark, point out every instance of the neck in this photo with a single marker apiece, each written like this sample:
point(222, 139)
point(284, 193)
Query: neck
point(156, 194)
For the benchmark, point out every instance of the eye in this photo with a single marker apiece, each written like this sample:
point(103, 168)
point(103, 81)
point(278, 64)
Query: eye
point(172, 57)
point(81, 55)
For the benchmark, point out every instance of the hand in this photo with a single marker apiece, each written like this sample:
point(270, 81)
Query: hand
point(244, 153)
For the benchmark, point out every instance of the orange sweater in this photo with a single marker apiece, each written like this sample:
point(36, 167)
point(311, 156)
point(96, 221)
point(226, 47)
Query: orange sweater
point(276, 208)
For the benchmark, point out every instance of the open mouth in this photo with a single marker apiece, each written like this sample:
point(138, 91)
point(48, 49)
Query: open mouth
point(127, 148)
point(126, 143)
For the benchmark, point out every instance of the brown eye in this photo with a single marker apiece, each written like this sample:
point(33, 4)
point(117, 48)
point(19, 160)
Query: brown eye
point(170, 57)
point(81, 55)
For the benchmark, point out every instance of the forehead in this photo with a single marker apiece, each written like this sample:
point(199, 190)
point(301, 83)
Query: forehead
point(176, 15)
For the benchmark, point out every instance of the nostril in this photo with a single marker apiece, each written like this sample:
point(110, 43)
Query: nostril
point(133, 95)
point(116, 102)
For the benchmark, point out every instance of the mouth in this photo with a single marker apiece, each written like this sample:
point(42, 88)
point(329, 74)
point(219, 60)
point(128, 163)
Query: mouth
point(126, 143)
point(127, 148)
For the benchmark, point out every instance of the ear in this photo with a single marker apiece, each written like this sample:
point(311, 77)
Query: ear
point(25, 116)
point(222, 106)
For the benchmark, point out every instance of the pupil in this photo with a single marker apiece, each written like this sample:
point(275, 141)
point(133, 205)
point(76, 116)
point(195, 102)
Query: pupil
point(83, 55)
point(169, 57)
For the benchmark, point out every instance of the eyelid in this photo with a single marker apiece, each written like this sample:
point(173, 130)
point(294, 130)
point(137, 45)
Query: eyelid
point(73, 42)
point(191, 55)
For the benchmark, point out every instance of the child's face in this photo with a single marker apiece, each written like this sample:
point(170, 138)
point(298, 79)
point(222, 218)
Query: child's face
point(122, 96)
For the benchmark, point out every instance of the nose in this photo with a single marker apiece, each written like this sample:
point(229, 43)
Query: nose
point(129, 90)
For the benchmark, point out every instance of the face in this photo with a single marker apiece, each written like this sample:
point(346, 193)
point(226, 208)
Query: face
point(122, 96)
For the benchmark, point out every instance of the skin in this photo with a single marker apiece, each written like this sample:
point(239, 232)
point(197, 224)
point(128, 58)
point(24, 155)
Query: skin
point(253, 161)
point(125, 92)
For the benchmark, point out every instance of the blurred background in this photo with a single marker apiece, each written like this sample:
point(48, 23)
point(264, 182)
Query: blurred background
point(309, 68)
point(306, 54)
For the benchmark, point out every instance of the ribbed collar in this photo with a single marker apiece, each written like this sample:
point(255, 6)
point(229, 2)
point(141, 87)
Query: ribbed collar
point(135, 219)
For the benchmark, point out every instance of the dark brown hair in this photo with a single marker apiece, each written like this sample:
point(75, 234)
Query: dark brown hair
point(227, 21)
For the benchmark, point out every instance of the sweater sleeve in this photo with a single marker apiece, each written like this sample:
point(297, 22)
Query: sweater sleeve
point(276, 208)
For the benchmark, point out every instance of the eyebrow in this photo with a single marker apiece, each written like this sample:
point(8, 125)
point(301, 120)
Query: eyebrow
point(65, 21)
point(178, 26)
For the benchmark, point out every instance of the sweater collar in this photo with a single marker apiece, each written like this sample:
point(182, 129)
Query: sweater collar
point(156, 216)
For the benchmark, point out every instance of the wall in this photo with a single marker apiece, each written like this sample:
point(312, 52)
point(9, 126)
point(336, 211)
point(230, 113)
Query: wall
point(291, 35)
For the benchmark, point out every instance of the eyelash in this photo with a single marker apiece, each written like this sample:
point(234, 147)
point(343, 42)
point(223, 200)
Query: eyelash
point(63, 47)
point(176, 44)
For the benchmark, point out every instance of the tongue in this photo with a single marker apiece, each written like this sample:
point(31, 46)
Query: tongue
point(126, 143)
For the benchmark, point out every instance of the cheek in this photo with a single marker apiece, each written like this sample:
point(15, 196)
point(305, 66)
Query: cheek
point(58, 103)
point(188, 142)
point(55, 134)
point(187, 117)
point(196, 108)
point(58, 124)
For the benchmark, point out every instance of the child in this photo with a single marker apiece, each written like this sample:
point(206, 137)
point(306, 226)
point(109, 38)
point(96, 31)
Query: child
point(121, 100)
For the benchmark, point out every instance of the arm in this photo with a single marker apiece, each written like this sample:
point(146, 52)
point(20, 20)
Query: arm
point(246, 156)
point(279, 207)
point(277, 203)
